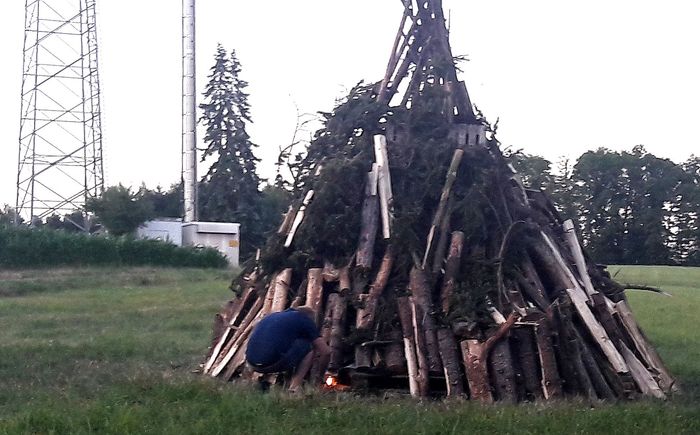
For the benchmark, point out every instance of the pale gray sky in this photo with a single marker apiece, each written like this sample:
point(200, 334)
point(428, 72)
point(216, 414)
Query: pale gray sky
point(563, 76)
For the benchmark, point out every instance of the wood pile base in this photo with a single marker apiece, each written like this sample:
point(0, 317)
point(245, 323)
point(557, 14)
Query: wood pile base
point(556, 328)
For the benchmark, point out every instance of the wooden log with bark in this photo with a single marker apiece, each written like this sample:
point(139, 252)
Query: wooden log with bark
point(421, 347)
point(386, 196)
point(369, 224)
point(449, 281)
point(420, 289)
point(406, 316)
point(475, 355)
point(442, 205)
point(367, 311)
point(314, 291)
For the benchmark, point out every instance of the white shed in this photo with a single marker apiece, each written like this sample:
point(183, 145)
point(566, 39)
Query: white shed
point(167, 230)
point(219, 235)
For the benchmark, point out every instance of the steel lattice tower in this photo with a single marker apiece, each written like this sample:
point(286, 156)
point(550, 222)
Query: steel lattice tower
point(60, 139)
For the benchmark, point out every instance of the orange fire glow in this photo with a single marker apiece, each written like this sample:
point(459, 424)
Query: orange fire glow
point(331, 381)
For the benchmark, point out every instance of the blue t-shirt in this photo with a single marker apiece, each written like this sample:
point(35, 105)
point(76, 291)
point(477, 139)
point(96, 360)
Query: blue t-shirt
point(276, 332)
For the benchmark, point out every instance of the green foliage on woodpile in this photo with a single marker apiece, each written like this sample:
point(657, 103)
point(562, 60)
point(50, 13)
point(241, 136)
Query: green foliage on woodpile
point(419, 160)
point(344, 150)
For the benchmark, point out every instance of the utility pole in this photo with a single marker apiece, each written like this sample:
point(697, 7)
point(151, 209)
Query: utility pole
point(189, 114)
point(60, 137)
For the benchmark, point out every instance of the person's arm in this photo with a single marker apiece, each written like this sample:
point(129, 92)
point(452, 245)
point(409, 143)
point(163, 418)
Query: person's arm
point(323, 352)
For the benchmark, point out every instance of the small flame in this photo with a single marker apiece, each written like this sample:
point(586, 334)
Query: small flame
point(331, 381)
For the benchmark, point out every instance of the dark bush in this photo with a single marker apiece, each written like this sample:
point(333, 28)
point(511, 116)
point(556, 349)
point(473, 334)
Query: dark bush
point(24, 247)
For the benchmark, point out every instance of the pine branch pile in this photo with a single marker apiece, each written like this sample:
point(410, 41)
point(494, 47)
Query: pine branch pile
point(430, 266)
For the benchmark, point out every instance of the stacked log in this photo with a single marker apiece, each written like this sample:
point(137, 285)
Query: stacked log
point(506, 307)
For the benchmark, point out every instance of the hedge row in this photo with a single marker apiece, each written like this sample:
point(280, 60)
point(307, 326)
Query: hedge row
point(27, 248)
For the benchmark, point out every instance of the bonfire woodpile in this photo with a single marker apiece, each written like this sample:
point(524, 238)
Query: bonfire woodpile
point(430, 266)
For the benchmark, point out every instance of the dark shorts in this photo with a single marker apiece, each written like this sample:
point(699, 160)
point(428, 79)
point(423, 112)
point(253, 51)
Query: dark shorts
point(289, 361)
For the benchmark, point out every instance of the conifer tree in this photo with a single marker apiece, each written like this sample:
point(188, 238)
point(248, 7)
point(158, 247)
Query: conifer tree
point(230, 189)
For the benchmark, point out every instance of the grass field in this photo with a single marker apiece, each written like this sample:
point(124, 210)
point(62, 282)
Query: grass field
point(112, 351)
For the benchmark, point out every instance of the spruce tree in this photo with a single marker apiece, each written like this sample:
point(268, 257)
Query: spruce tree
point(230, 189)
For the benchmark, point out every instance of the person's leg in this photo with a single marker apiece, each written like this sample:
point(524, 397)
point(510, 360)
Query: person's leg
point(301, 371)
point(298, 359)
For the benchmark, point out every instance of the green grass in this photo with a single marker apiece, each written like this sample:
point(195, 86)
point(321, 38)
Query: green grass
point(670, 322)
point(112, 351)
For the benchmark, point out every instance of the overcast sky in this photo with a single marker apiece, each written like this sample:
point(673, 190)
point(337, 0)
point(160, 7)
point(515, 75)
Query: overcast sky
point(563, 76)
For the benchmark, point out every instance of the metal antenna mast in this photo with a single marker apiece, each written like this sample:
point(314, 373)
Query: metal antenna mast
point(60, 137)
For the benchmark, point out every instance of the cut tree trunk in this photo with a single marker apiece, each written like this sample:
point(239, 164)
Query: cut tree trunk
point(450, 362)
point(421, 348)
point(502, 372)
point(281, 290)
point(369, 223)
point(441, 247)
point(386, 196)
point(449, 281)
point(298, 219)
point(475, 356)
point(645, 381)
point(418, 284)
point(524, 340)
point(551, 382)
point(314, 292)
point(317, 371)
point(575, 247)
point(442, 205)
point(651, 357)
point(367, 311)
point(336, 343)
point(394, 357)
point(405, 316)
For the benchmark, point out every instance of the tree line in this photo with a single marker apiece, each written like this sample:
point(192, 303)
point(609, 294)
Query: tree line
point(631, 207)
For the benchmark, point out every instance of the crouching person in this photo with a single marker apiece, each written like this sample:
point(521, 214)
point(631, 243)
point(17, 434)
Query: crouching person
point(287, 341)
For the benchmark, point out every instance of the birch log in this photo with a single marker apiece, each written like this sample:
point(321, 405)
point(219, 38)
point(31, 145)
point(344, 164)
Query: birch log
point(239, 337)
point(286, 224)
point(644, 380)
point(442, 205)
point(366, 314)
point(369, 224)
point(405, 316)
point(386, 196)
point(344, 281)
point(421, 349)
point(316, 374)
point(298, 218)
point(577, 253)
point(340, 305)
point(230, 327)
point(314, 292)
point(580, 299)
point(281, 290)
